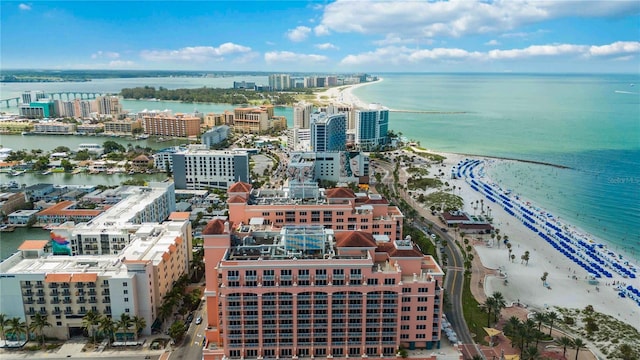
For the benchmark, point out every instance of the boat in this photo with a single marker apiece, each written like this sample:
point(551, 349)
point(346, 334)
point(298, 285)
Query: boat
point(7, 228)
point(17, 173)
point(47, 172)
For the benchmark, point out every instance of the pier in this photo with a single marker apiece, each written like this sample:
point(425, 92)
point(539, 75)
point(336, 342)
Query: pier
point(435, 112)
point(61, 95)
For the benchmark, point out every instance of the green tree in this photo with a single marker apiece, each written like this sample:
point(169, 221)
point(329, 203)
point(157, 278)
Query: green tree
point(177, 330)
point(112, 146)
point(4, 322)
point(626, 352)
point(83, 155)
point(139, 323)
point(107, 328)
point(62, 149)
point(500, 303)
point(38, 323)
point(66, 165)
point(578, 344)
point(17, 327)
point(90, 321)
point(552, 317)
point(124, 323)
point(539, 318)
point(565, 342)
point(531, 353)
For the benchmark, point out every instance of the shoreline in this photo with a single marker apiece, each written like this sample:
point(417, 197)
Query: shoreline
point(570, 285)
point(514, 159)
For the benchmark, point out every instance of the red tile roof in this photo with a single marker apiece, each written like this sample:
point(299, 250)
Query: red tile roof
point(85, 277)
point(57, 278)
point(239, 187)
point(179, 215)
point(61, 209)
point(236, 199)
point(33, 245)
point(214, 227)
point(340, 193)
point(355, 239)
point(393, 252)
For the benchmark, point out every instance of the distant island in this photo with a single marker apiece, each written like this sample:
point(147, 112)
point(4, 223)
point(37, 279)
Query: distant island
point(31, 75)
point(210, 95)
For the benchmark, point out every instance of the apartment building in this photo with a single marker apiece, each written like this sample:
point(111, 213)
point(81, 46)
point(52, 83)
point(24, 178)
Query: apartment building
point(302, 115)
point(64, 211)
point(54, 127)
point(178, 125)
point(328, 132)
point(339, 209)
point(126, 126)
point(197, 169)
point(65, 288)
point(371, 127)
point(307, 292)
point(339, 166)
point(215, 136)
point(109, 232)
point(251, 120)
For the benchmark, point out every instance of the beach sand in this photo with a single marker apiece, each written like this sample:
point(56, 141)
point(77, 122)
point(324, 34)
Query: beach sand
point(568, 284)
point(343, 95)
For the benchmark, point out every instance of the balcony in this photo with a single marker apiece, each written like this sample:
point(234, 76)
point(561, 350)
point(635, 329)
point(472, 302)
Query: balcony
point(29, 301)
point(68, 312)
point(56, 312)
point(66, 292)
point(43, 312)
point(91, 285)
point(26, 286)
point(105, 292)
point(55, 300)
point(39, 285)
point(65, 285)
point(54, 293)
point(92, 292)
point(53, 286)
point(81, 300)
point(41, 301)
point(31, 312)
point(93, 300)
point(66, 301)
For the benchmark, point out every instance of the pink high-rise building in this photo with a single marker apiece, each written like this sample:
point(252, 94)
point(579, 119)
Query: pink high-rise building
point(309, 291)
point(339, 209)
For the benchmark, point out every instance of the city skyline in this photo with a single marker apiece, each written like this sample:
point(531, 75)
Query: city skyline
point(340, 36)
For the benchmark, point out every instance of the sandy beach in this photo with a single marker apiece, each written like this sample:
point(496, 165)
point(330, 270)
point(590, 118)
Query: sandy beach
point(568, 283)
point(344, 95)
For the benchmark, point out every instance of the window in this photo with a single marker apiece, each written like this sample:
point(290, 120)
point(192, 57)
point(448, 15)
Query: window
point(372, 281)
point(126, 299)
point(125, 284)
point(389, 281)
point(126, 291)
point(126, 310)
point(423, 290)
point(421, 327)
point(406, 290)
point(422, 308)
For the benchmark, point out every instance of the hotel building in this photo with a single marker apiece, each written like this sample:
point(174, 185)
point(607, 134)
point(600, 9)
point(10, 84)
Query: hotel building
point(328, 132)
point(251, 120)
point(339, 209)
point(305, 292)
point(371, 127)
point(64, 288)
point(197, 169)
point(162, 124)
point(121, 126)
point(338, 166)
point(302, 115)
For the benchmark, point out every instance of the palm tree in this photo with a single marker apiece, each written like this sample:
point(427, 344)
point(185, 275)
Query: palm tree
point(4, 322)
point(512, 325)
point(107, 327)
point(564, 342)
point(490, 305)
point(38, 323)
point(626, 351)
point(539, 318)
point(89, 321)
point(17, 327)
point(531, 353)
point(578, 344)
point(500, 304)
point(552, 316)
point(139, 323)
point(124, 323)
point(528, 332)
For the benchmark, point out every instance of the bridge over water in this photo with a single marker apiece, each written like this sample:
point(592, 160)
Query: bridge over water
point(61, 95)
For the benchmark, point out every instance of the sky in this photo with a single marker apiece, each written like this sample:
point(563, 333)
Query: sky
point(323, 36)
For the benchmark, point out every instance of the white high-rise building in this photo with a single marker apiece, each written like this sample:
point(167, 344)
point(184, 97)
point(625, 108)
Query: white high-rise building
point(302, 115)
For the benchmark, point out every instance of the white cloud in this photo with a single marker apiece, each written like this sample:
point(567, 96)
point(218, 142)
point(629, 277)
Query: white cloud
point(288, 56)
point(419, 19)
point(298, 34)
point(195, 53)
point(321, 30)
point(24, 7)
point(105, 54)
point(121, 64)
point(393, 39)
point(492, 42)
point(398, 55)
point(616, 48)
point(326, 46)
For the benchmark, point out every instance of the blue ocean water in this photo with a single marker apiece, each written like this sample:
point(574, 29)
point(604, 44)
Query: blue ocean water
point(589, 123)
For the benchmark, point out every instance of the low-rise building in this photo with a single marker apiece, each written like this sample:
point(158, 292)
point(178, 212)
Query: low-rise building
point(216, 135)
point(54, 127)
point(64, 288)
point(10, 202)
point(21, 217)
point(64, 211)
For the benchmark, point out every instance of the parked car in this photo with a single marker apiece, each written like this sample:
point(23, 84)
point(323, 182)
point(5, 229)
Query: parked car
point(199, 320)
point(189, 318)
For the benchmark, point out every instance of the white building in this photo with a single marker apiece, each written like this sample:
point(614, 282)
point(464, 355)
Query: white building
point(109, 232)
point(196, 169)
point(302, 115)
point(65, 288)
point(339, 166)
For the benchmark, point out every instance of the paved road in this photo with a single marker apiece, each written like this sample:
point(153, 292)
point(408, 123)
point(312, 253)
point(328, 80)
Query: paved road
point(191, 347)
point(454, 281)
